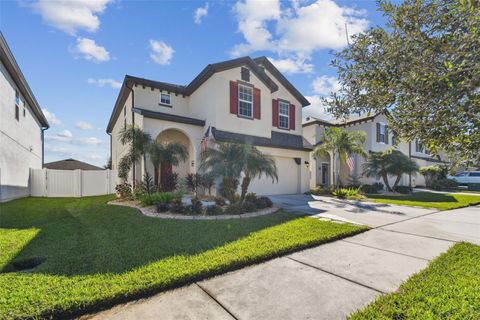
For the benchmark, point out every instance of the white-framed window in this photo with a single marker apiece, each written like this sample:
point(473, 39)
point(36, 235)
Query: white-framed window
point(381, 133)
point(283, 114)
point(418, 146)
point(245, 101)
point(165, 98)
point(17, 98)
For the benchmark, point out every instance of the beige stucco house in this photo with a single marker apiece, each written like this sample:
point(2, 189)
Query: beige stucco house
point(240, 100)
point(21, 128)
point(379, 139)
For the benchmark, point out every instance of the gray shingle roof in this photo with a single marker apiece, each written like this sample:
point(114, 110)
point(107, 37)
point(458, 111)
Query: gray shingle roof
point(70, 164)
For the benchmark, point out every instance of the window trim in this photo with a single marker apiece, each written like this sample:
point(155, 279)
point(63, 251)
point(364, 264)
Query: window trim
point(280, 102)
point(246, 101)
point(161, 103)
point(384, 126)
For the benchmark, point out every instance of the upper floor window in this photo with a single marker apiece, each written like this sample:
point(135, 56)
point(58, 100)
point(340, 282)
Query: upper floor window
point(382, 133)
point(418, 146)
point(165, 98)
point(283, 114)
point(17, 112)
point(245, 101)
point(17, 98)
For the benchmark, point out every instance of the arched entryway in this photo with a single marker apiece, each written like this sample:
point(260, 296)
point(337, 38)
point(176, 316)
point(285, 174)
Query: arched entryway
point(178, 136)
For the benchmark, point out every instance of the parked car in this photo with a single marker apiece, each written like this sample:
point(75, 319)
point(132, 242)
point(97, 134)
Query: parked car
point(466, 177)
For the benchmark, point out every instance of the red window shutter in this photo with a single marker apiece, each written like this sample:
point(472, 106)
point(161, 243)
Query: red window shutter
point(274, 113)
point(233, 97)
point(292, 117)
point(256, 103)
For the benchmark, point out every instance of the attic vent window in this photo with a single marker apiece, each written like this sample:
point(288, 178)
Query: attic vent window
point(245, 74)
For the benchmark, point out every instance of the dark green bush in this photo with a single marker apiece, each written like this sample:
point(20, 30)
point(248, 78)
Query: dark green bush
point(162, 207)
point(321, 190)
point(378, 185)
point(444, 184)
point(249, 206)
point(177, 207)
point(214, 210)
point(234, 209)
point(474, 186)
point(345, 193)
point(263, 202)
point(369, 189)
point(252, 196)
point(219, 201)
point(402, 189)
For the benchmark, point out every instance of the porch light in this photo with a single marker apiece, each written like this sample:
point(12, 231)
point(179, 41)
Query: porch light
point(307, 164)
point(193, 163)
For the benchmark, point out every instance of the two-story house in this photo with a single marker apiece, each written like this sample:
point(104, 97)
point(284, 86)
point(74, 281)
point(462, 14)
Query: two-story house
point(379, 139)
point(21, 128)
point(241, 100)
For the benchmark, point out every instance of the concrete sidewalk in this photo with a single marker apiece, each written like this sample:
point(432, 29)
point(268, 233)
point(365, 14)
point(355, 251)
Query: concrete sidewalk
point(326, 282)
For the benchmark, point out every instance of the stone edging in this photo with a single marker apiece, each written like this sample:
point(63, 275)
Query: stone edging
point(151, 212)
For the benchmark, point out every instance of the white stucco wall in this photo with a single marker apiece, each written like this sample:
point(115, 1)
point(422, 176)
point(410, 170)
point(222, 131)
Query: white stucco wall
point(20, 142)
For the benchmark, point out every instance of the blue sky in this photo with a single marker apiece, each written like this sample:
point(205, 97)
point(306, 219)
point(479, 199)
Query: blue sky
point(74, 54)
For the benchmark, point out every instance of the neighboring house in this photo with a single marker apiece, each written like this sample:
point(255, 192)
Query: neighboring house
point(379, 139)
point(71, 164)
point(242, 100)
point(21, 128)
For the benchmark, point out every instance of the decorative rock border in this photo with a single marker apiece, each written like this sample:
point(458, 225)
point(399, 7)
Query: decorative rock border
point(151, 212)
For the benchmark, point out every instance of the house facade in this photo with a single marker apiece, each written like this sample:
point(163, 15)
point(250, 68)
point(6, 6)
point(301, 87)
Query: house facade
point(241, 100)
point(379, 139)
point(21, 128)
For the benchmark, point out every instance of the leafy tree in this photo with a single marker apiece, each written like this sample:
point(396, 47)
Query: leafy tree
point(340, 143)
point(166, 154)
point(138, 142)
point(389, 163)
point(424, 67)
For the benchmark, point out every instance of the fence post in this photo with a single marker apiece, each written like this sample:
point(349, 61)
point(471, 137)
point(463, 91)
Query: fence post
point(45, 182)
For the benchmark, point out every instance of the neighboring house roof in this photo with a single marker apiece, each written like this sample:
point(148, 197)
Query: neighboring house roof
point(70, 164)
point(340, 122)
point(13, 69)
point(169, 117)
point(277, 140)
point(204, 75)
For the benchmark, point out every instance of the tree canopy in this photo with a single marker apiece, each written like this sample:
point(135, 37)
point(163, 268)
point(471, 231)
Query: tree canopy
point(424, 68)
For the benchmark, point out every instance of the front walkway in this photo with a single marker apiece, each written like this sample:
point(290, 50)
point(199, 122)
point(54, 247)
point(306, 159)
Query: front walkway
point(327, 282)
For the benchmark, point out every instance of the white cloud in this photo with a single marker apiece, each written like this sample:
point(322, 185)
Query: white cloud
point(65, 134)
point(325, 85)
point(200, 13)
point(90, 141)
point(292, 65)
point(51, 117)
point(316, 109)
point(161, 52)
point(295, 32)
point(105, 82)
point(71, 15)
point(82, 125)
point(91, 51)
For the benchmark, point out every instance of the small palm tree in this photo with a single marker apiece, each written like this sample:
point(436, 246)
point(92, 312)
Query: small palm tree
point(256, 164)
point(223, 161)
point(389, 163)
point(340, 143)
point(139, 142)
point(166, 154)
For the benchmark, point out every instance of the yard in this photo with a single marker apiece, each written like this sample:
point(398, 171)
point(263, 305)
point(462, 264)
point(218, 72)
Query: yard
point(93, 255)
point(447, 289)
point(429, 200)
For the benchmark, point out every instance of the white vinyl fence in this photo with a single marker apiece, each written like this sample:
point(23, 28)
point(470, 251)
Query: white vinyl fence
point(72, 183)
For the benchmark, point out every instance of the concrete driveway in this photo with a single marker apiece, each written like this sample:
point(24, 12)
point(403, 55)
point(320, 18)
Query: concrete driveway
point(326, 282)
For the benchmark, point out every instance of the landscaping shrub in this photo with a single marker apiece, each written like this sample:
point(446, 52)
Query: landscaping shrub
point(345, 193)
point(163, 207)
point(196, 207)
point(251, 196)
point(214, 210)
point(147, 185)
point(432, 174)
point(177, 207)
point(193, 181)
point(369, 189)
point(157, 197)
point(378, 185)
point(219, 201)
point(444, 184)
point(138, 193)
point(124, 190)
point(321, 190)
point(402, 189)
point(263, 202)
point(234, 209)
point(474, 186)
point(249, 206)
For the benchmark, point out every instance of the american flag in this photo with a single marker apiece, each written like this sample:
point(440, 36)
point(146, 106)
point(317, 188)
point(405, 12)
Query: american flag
point(350, 162)
point(204, 142)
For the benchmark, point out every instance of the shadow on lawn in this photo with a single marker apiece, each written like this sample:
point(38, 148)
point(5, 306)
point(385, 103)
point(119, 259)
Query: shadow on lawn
point(87, 236)
point(418, 197)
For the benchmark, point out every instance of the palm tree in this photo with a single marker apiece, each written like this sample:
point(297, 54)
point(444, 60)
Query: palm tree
point(340, 143)
point(255, 164)
point(139, 142)
point(223, 161)
point(166, 154)
point(389, 163)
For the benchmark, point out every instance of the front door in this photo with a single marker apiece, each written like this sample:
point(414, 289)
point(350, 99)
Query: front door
point(325, 174)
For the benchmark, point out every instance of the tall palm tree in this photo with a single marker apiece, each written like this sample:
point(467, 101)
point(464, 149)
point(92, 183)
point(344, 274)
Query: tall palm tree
point(166, 154)
point(256, 164)
point(139, 142)
point(340, 144)
point(222, 160)
point(389, 163)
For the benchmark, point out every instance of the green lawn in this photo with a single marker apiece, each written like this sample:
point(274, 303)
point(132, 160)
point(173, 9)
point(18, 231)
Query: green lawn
point(95, 255)
point(449, 288)
point(429, 200)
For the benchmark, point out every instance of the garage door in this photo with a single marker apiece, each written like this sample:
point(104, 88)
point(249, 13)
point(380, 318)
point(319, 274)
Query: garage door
point(288, 179)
